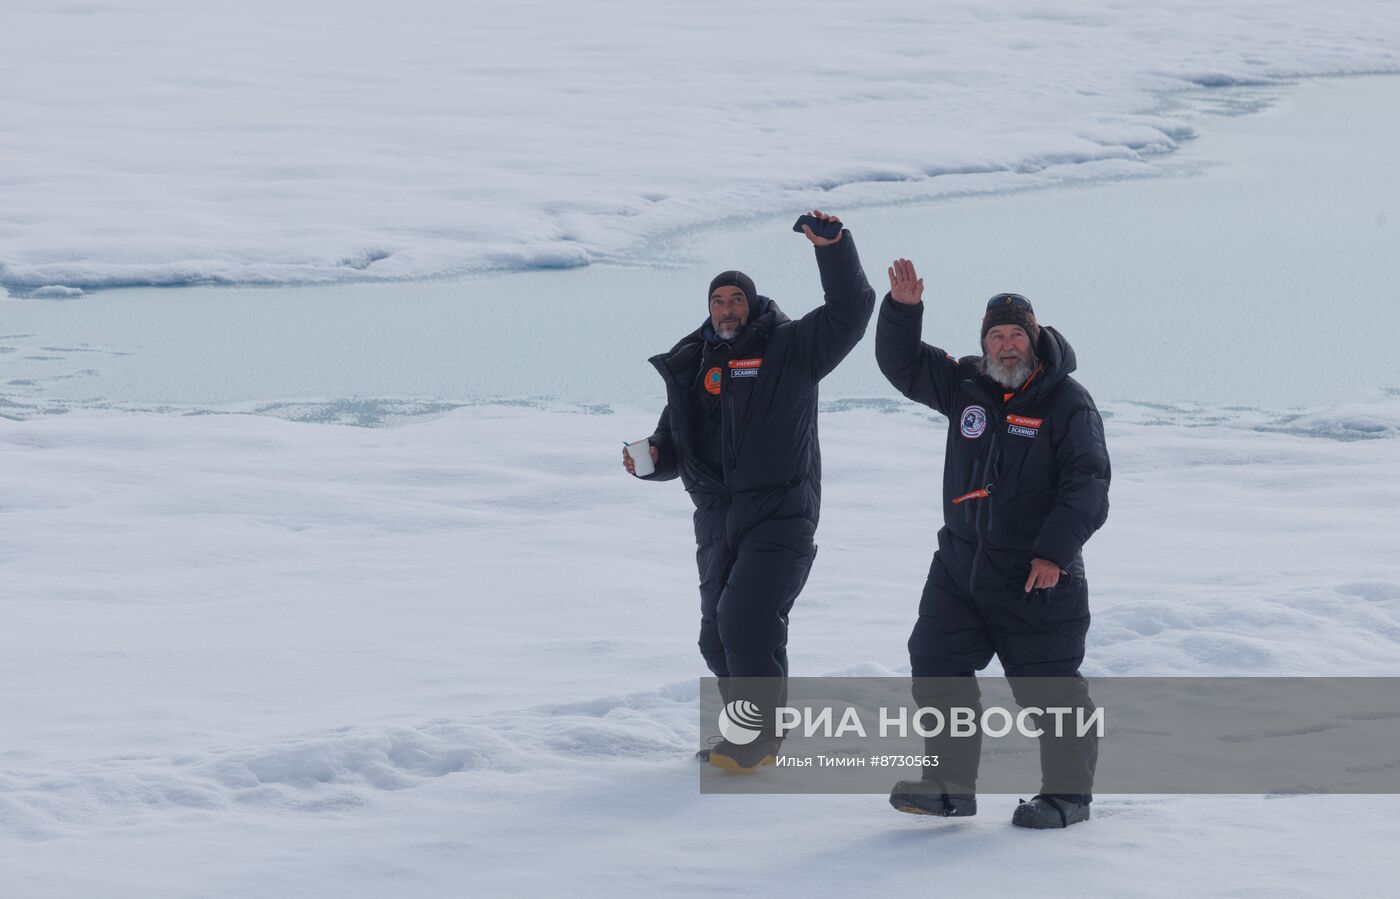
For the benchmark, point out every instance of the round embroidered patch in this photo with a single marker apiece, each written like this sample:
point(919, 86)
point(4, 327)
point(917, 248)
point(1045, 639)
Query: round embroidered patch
point(712, 381)
point(973, 421)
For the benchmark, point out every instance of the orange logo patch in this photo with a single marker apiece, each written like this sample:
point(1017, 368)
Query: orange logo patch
point(1023, 421)
point(712, 381)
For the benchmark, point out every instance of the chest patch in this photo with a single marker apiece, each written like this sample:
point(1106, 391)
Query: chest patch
point(973, 421)
point(712, 381)
point(1022, 426)
point(744, 368)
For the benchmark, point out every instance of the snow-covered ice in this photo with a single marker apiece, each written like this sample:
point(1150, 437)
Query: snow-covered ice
point(165, 142)
point(1230, 260)
point(252, 656)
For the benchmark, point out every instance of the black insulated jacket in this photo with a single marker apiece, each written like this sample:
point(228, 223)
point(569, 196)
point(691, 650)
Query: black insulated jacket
point(767, 393)
point(1027, 477)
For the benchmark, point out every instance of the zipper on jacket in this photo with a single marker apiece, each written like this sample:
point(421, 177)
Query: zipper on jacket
point(989, 486)
point(727, 423)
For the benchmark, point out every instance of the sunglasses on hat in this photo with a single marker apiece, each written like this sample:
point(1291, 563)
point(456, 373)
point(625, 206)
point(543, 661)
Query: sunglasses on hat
point(1015, 299)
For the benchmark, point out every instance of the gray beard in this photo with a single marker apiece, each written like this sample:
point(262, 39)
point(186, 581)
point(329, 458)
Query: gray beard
point(728, 334)
point(1009, 375)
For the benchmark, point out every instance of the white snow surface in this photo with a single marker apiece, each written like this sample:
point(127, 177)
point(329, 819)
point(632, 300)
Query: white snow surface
point(244, 656)
point(166, 142)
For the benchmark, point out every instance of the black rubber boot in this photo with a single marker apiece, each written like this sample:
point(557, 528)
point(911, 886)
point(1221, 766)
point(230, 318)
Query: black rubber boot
point(704, 756)
point(741, 759)
point(925, 797)
point(1052, 811)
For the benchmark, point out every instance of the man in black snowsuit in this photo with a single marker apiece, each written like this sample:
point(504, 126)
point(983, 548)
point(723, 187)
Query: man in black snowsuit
point(1025, 484)
point(740, 429)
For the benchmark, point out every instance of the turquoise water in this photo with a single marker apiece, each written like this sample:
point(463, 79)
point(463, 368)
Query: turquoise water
point(1259, 268)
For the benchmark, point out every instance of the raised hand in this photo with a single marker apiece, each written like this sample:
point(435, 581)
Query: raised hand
point(905, 284)
point(821, 241)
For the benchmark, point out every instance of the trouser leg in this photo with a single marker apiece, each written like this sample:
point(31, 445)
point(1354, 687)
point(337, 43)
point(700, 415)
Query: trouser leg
point(713, 560)
point(949, 642)
point(1041, 646)
point(1067, 757)
point(711, 646)
point(752, 621)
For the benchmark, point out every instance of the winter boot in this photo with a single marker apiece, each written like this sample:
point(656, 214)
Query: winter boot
point(704, 757)
point(926, 797)
point(744, 759)
point(1052, 810)
point(704, 754)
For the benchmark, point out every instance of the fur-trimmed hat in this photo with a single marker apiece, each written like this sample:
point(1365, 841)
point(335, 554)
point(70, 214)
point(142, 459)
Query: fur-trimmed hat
point(741, 281)
point(1011, 309)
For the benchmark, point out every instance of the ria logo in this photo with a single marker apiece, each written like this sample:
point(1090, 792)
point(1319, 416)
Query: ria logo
point(740, 722)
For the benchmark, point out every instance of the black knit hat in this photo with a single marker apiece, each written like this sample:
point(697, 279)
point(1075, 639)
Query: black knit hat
point(741, 281)
point(1011, 309)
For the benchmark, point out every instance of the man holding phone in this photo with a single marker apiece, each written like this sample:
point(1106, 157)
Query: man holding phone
point(740, 430)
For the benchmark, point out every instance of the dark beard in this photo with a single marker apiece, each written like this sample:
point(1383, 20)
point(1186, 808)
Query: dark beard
point(1011, 377)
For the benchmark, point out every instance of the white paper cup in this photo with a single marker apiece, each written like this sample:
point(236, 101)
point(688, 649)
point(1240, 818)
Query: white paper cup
point(640, 453)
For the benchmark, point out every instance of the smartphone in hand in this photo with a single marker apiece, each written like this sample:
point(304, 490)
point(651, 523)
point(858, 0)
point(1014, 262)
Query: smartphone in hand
point(829, 230)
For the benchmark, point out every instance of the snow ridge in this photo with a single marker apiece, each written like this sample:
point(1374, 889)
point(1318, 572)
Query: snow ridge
point(342, 768)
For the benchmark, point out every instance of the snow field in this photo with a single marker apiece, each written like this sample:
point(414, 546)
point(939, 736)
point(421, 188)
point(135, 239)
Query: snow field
point(252, 656)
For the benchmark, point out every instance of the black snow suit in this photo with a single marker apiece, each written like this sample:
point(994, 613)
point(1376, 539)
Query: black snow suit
point(1025, 477)
point(756, 513)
